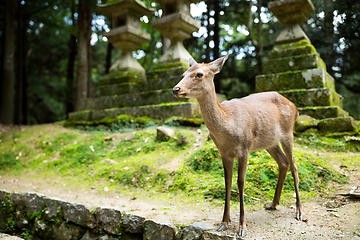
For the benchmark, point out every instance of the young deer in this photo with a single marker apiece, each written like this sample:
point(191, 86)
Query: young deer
point(241, 126)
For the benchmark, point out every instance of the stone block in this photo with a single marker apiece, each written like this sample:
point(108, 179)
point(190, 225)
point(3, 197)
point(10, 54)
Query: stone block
point(160, 111)
point(68, 231)
point(292, 49)
point(132, 223)
point(109, 220)
point(163, 134)
point(313, 97)
point(159, 231)
point(32, 201)
point(4, 236)
point(302, 79)
point(339, 124)
point(80, 115)
point(52, 206)
point(4, 194)
point(130, 100)
point(121, 77)
point(164, 71)
point(218, 236)
point(137, 87)
point(79, 214)
point(293, 63)
point(304, 122)
point(323, 112)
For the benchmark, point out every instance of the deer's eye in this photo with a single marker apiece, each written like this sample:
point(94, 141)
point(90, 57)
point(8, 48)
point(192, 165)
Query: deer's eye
point(199, 75)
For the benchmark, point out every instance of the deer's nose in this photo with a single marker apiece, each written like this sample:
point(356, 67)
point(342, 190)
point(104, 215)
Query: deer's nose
point(176, 91)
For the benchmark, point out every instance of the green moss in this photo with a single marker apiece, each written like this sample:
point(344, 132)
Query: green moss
point(121, 77)
point(293, 63)
point(114, 124)
point(299, 79)
point(167, 70)
point(312, 97)
point(304, 122)
point(163, 67)
point(292, 49)
point(339, 124)
point(321, 112)
point(184, 121)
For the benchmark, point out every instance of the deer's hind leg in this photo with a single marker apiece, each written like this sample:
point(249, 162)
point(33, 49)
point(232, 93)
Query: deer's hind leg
point(287, 144)
point(283, 164)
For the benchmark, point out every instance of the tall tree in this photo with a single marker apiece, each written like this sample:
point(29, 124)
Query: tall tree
point(71, 63)
point(7, 94)
point(256, 41)
point(82, 78)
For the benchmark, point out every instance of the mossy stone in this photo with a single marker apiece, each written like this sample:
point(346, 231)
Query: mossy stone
point(339, 124)
point(301, 79)
point(313, 97)
point(293, 63)
point(121, 77)
point(292, 49)
point(304, 122)
point(322, 112)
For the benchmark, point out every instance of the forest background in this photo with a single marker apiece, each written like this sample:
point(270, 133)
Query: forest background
point(53, 50)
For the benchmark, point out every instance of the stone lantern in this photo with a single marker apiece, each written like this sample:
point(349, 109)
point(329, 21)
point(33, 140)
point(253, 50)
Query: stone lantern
point(126, 33)
point(177, 25)
point(291, 13)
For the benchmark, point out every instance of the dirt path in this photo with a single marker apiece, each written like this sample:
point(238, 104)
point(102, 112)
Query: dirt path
point(338, 222)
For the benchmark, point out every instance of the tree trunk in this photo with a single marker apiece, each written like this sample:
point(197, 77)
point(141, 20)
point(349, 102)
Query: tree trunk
point(82, 78)
point(216, 38)
point(89, 70)
point(108, 57)
point(70, 66)
point(7, 95)
point(329, 57)
point(20, 62)
point(208, 28)
point(259, 52)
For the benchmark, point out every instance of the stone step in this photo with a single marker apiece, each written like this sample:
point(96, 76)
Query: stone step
point(135, 87)
point(302, 47)
point(163, 73)
point(130, 100)
point(160, 111)
point(323, 112)
point(302, 79)
point(313, 97)
point(293, 63)
point(121, 77)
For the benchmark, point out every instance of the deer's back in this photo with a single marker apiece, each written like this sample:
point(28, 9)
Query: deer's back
point(267, 117)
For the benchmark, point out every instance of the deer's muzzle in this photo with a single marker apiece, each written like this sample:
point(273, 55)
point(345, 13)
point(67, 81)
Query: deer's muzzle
point(176, 91)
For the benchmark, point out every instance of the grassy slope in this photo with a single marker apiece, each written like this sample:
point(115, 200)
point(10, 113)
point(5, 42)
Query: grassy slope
point(165, 169)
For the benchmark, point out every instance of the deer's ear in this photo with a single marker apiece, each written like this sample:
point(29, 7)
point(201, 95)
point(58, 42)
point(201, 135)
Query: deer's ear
point(217, 65)
point(192, 62)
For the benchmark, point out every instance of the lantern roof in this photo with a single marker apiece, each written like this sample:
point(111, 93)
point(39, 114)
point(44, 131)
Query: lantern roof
point(116, 6)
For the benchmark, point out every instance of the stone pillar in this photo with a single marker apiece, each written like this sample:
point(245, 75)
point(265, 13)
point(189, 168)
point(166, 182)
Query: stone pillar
point(296, 70)
point(177, 25)
point(126, 33)
point(291, 13)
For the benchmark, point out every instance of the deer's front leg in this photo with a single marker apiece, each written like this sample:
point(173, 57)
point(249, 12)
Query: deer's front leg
point(228, 164)
point(242, 165)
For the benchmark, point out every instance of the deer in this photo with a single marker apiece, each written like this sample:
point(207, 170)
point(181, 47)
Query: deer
point(241, 126)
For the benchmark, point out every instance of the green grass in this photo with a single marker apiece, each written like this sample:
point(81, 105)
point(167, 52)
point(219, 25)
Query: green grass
point(91, 157)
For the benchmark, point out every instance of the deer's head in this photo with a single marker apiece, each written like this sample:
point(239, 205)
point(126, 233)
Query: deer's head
point(198, 80)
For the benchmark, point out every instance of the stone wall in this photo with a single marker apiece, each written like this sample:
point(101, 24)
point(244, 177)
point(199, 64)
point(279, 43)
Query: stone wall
point(42, 217)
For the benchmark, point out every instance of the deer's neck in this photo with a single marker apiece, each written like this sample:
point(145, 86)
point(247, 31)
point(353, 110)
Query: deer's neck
point(214, 114)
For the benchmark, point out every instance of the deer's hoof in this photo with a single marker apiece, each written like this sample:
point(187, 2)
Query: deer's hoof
point(299, 217)
point(221, 228)
point(270, 208)
point(242, 233)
